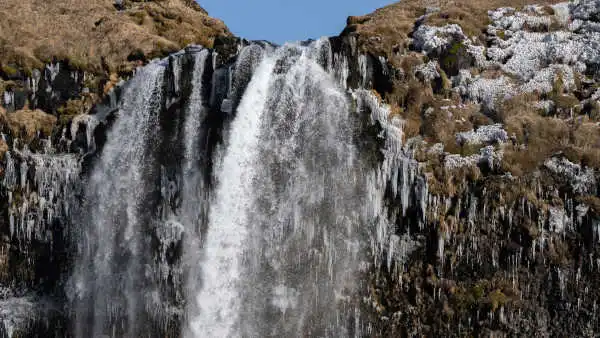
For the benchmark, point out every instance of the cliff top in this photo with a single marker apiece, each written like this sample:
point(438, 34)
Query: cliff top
point(387, 29)
point(32, 32)
point(519, 75)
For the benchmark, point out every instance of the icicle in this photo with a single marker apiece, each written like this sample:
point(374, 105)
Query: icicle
point(10, 174)
point(363, 70)
point(90, 122)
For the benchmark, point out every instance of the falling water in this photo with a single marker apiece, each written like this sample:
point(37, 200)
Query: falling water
point(265, 235)
point(282, 247)
point(262, 204)
point(110, 275)
point(194, 201)
point(219, 300)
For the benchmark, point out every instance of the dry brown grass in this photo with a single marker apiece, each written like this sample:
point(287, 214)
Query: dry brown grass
point(34, 31)
point(407, 100)
point(385, 31)
point(26, 124)
point(422, 112)
point(3, 148)
point(444, 181)
point(592, 201)
point(442, 125)
point(538, 137)
point(472, 23)
point(585, 144)
point(517, 105)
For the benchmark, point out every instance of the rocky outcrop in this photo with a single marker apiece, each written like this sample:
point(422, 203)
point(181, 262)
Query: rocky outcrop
point(29, 124)
point(499, 114)
point(63, 58)
point(101, 35)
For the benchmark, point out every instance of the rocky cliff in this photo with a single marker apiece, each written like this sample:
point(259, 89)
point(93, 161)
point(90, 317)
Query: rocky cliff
point(481, 117)
point(64, 57)
point(499, 109)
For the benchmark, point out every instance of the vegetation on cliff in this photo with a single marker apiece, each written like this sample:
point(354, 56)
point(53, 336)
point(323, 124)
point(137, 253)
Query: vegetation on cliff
point(499, 105)
point(96, 36)
point(63, 57)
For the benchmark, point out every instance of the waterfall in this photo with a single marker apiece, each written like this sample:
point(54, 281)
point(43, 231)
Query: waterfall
point(219, 300)
point(110, 277)
point(254, 190)
point(283, 243)
point(194, 200)
point(264, 234)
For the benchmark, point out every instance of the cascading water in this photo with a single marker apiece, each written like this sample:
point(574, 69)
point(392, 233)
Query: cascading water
point(141, 242)
point(283, 242)
point(218, 301)
point(110, 277)
point(266, 234)
point(193, 210)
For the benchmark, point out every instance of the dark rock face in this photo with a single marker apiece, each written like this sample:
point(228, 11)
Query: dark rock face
point(47, 90)
point(58, 83)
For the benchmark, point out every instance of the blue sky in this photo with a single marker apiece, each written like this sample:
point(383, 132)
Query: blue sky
point(287, 20)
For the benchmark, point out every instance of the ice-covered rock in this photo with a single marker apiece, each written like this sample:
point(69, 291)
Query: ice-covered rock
point(543, 81)
point(90, 122)
point(545, 106)
point(580, 26)
point(462, 79)
point(562, 13)
point(490, 156)
point(427, 71)
point(582, 180)
point(586, 10)
point(8, 100)
point(557, 219)
point(483, 90)
point(520, 20)
point(524, 53)
point(46, 185)
point(483, 135)
point(479, 54)
point(499, 13)
point(487, 155)
point(16, 313)
point(433, 40)
point(455, 161)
